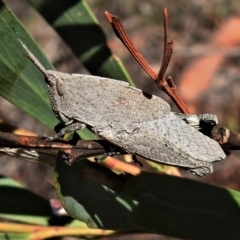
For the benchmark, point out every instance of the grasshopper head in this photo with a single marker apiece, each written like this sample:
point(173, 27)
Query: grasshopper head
point(54, 81)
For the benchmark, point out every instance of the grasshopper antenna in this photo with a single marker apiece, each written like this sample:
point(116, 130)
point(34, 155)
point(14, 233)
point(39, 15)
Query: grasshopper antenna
point(34, 59)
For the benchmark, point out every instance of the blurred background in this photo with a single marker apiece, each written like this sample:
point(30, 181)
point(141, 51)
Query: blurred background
point(205, 67)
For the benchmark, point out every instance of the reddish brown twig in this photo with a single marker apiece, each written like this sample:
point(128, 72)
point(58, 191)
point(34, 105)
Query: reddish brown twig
point(164, 83)
point(167, 50)
point(32, 149)
point(75, 149)
point(121, 34)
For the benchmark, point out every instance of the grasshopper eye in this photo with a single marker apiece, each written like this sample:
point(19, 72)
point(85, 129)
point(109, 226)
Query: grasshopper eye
point(60, 86)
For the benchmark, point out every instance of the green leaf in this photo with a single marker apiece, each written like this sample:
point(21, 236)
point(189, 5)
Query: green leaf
point(185, 209)
point(156, 203)
point(77, 224)
point(19, 204)
point(20, 82)
point(79, 28)
point(39, 220)
point(14, 236)
point(90, 202)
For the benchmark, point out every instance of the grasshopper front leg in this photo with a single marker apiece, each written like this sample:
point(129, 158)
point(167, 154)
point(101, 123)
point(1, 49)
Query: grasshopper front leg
point(61, 131)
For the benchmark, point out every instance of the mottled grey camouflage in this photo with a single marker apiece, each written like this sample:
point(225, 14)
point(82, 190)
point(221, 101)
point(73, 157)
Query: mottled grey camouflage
point(140, 123)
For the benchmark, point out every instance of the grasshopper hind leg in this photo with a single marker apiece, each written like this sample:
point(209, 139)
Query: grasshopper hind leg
point(202, 170)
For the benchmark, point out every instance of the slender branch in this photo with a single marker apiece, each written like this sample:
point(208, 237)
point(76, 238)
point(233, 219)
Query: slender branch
point(32, 149)
point(164, 64)
point(166, 83)
point(76, 149)
point(161, 81)
point(122, 35)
